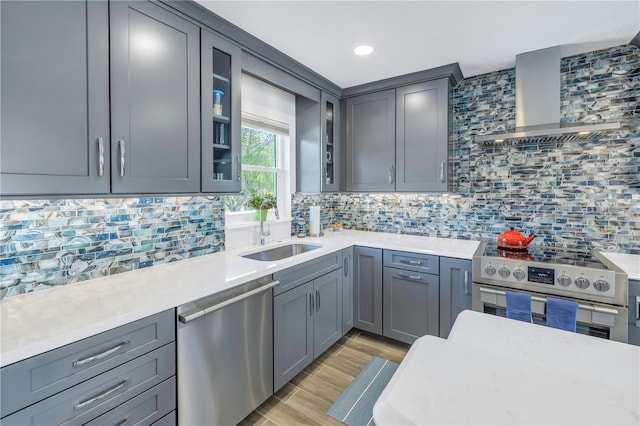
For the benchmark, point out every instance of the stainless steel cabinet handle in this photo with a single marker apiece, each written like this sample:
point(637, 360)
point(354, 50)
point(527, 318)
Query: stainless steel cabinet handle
point(101, 355)
point(122, 154)
point(190, 316)
point(346, 266)
point(411, 262)
point(310, 304)
point(239, 166)
point(638, 311)
point(123, 422)
point(411, 277)
point(391, 173)
point(466, 282)
point(100, 157)
point(103, 395)
point(442, 172)
point(317, 300)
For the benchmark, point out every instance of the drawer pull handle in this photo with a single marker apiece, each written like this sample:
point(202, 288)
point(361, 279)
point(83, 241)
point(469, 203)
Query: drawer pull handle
point(100, 356)
point(411, 277)
point(123, 422)
point(411, 262)
point(103, 395)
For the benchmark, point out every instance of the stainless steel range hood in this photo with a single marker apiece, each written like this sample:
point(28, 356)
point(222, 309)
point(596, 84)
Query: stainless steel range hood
point(538, 104)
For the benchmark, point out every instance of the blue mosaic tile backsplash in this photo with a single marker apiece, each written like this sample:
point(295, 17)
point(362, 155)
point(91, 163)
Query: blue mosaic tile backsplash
point(577, 194)
point(581, 194)
point(47, 243)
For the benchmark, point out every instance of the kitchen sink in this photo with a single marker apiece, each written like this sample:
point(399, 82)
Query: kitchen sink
point(282, 252)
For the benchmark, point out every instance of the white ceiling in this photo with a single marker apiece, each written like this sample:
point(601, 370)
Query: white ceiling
point(409, 36)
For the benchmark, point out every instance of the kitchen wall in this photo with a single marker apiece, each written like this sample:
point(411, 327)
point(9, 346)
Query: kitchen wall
point(47, 243)
point(576, 194)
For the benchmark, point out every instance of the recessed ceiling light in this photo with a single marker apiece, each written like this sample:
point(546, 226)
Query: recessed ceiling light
point(499, 140)
point(583, 133)
point(363, 50)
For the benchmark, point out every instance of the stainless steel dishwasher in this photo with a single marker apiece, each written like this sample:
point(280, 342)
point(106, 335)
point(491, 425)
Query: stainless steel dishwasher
point(225, 354)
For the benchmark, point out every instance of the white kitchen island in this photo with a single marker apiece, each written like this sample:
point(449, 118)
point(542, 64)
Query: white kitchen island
point(497, 371)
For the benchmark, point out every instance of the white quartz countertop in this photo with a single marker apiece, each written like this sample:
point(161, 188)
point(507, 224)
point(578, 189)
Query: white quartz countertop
point(498, 371)
point(629, 263)
point(37, 322)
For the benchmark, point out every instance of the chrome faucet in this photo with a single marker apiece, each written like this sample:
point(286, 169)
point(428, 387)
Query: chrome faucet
point(275, 210)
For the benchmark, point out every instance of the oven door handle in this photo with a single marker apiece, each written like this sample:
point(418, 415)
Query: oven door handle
point(592, 308)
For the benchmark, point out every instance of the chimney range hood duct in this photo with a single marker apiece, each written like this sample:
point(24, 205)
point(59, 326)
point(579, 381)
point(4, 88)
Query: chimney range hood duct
point(538, 104)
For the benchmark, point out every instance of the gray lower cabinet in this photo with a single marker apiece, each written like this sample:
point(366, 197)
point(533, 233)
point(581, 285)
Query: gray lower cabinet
point(634, 312)
point(370, 142)
point(422, 132)
point(155, 100)
point(127, 371)
point(55, 97)
point(347, 290)
point(367, 289)
point(455, 291)
point(307, 320)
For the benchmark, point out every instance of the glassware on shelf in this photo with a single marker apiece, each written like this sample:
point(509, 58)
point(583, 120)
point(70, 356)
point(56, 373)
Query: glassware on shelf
point(217, 102)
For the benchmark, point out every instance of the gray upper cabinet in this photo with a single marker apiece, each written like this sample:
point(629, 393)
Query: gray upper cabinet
point(370, 140)
point(367, 289)
point(221, 117)
point(455, 291)
point(318, 144)
point(155, 100)
point(422, 132)
point(54, 97)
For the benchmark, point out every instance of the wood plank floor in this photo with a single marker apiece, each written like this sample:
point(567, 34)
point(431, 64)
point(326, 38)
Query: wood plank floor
point(306, 399)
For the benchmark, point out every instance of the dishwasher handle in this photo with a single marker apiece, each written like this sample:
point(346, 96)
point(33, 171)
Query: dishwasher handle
point(202, 312)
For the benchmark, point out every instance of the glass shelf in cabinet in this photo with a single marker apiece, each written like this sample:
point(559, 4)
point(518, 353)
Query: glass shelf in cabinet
point(221, 118)
point(221, 146)
point(221, 78)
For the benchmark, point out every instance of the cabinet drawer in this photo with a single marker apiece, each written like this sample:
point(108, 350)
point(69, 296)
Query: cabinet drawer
point(169, 420)
point(100, 394)
point(41, 376)
point(293, 277)
point(412, 261)
point(145, 409)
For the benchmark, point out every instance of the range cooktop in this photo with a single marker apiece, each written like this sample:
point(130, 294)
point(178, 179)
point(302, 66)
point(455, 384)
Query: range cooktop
point(548, 254)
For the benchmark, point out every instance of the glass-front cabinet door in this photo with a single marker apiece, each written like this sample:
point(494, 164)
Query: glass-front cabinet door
point(220, 114)
point(330, 123)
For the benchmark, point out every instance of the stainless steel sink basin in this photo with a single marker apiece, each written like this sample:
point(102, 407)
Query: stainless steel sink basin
point(282, 252)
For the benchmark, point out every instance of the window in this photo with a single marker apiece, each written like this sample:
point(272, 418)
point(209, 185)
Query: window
point(264, 143)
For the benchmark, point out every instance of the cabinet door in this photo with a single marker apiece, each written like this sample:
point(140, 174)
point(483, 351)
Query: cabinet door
point(371, 142)
point(292, 333)
point(221, 118)
point(367, 289)
point(155, 100)
point(54, 97)
point(410, 304)
point(455, 291)
point(327, 317)
point(330, 119)
point(347, 290)
point(422, 132)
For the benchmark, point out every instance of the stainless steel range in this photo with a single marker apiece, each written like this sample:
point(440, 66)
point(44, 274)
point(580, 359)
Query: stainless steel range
point(586, 277)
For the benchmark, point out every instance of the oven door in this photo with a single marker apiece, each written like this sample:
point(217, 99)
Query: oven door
point(593, 319)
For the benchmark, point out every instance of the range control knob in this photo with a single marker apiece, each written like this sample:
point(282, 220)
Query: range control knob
point(504, 272)
point(564, 280)
point(582, 282)
point(519, 274)
point(601, 285)
point(490, 269)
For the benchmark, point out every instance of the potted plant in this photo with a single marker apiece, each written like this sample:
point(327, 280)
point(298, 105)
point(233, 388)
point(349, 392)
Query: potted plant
point(256, 200)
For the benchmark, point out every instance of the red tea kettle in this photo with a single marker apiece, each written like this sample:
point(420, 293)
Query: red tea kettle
point(514, 240)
